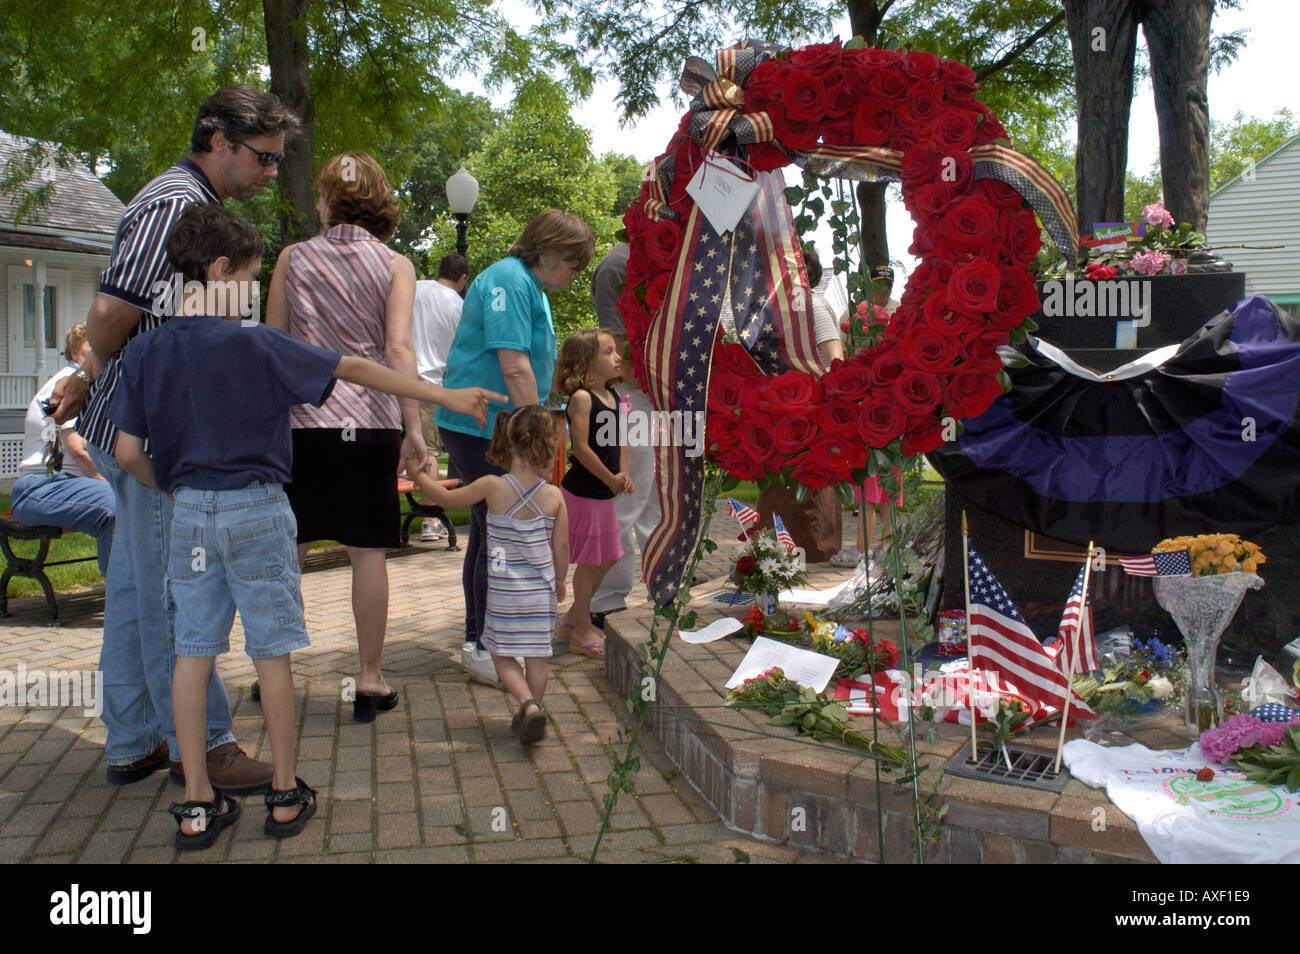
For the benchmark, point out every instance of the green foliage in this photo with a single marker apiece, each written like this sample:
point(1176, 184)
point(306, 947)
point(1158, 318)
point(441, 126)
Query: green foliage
point(536, 158)
point(1276, 765)
point(1236, 144)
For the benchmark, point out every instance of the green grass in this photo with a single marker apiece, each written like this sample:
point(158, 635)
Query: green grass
point(70, 546)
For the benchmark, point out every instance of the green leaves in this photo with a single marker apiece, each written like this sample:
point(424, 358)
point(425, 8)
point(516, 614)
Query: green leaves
point(1276, 765)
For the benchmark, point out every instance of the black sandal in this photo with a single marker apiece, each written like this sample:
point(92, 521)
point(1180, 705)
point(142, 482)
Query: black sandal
point(366, 704)
point(530, 728)
point(301, 794)
point(209, 815)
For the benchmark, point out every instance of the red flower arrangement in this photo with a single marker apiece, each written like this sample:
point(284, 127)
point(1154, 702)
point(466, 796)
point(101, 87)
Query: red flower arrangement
point(937, 356)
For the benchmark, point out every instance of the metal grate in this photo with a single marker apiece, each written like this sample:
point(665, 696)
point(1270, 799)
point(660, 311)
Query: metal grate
point(729, 597)
point(1028, 769)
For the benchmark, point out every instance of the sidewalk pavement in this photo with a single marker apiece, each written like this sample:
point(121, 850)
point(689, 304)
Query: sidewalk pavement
point(440, 779)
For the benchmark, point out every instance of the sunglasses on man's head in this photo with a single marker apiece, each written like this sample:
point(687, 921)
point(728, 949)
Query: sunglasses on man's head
point(263, 158)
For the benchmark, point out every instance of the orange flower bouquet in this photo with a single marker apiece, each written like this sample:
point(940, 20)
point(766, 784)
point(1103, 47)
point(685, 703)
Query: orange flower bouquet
point(1215, 553)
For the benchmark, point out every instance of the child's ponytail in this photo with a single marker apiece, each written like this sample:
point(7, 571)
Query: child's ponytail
point(499, 450)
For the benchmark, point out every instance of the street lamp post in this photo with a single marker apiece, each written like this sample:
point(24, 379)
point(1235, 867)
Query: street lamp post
point(462, 193)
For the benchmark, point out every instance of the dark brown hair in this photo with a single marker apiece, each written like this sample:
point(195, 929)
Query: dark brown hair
point(578, 352)
point(812, 265)
point(240, 112)
point(530, 433)
point(555, 231)
point(357, 192)
point(204, 233)
point(452, 267)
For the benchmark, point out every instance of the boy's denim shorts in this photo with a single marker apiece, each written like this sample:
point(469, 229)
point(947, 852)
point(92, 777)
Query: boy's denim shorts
point(234, 550)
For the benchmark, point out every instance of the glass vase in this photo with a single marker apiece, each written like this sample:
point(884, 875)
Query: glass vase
point(1203, 606)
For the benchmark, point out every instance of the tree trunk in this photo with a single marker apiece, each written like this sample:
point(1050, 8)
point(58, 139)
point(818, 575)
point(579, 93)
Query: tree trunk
point(1103, 37)
point(865, 17)
point(287, 54)
point(1178, 38)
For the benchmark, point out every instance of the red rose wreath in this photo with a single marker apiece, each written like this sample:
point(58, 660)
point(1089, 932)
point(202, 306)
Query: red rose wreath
point(860, 113)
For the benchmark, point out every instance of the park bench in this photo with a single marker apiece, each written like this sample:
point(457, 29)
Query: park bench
point(31, 567)
point(422, 511)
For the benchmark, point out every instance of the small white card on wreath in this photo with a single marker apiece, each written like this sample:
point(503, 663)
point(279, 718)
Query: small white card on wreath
point(723, 192)
point(800, 665)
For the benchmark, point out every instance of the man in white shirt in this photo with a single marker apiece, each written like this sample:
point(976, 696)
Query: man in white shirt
point(436, 313)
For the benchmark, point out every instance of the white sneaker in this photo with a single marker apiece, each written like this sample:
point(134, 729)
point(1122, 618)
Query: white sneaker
point(478, 665)
point(429, 531)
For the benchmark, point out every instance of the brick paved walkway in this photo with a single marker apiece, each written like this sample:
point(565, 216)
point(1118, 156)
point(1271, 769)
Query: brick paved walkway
point(441, 779)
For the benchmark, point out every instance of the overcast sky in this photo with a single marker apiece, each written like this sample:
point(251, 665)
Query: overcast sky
point(1261, 81)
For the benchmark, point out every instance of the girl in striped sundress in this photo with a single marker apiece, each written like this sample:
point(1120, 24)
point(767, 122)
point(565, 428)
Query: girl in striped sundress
point(528, 555)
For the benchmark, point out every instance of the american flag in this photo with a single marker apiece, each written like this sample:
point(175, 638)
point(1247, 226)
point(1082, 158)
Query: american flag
point(782, 534)
point(1171, 563)
point(1001, 641)
point(1087, 661)
point(947, 691)
point(747, 515)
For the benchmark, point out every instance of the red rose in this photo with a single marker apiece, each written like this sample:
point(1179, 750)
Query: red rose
point(847, 381)
point(766, 156)
point(974, 286)
point(765, 84)
point(953, 252)
point(972, 221)
point(917, 392)
point(831, 461)
point(982, 345)
point(756, 441)
point(879, 420)
point(835, 418)
point(889, 84)
point(925, 349)
point(731, 357)
point(921, 66)
point(636, 221)
point(727, 393)
point(839, 132)
point(804, 96)
point(1096, 271)
point(872, 58)
point(663, 241)
point(922, 435)
point(791, 393)
point(1205, 775)
point(840, 100)
point(792, 132)
point(957, 77)
point(817, 58)
point(724, 432)
point(655, 291)
point(954, 129)
point(793, 434)
point(923, 241)
point(873, 122)
point(924, 100)
point(1021, 239)
point(972, 389)
point(884, 654)
point(745, 565)
point(990, 129)
point(1002, 195)
point(886, 367)
point(1017, 298)
point(920, 164)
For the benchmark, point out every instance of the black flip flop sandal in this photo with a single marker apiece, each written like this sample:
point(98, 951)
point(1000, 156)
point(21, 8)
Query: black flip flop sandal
point(532, 727)
point(210, 814)
point(301, 794)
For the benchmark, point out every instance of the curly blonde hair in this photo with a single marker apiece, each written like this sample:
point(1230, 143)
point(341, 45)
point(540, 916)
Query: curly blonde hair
point(530, 433)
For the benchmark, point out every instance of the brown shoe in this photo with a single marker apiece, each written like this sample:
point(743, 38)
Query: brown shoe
point(230, 770)
point(140, 768)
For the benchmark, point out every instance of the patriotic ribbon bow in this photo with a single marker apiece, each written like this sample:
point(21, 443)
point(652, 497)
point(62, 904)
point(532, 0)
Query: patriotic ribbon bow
point(719, 97)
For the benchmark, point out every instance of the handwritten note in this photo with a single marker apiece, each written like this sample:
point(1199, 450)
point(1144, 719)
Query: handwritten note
point(806, 668)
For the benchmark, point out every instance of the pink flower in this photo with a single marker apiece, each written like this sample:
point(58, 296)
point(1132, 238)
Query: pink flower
point(1179, 267)
point(1150, 263)
point(1240, 732)
point(1156, 215)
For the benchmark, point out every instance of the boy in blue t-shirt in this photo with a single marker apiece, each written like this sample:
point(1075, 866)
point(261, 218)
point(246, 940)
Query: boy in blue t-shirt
point(212, 397)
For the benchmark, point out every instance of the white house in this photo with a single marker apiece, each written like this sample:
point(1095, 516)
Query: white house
point(50, 266)
point(1261, 206)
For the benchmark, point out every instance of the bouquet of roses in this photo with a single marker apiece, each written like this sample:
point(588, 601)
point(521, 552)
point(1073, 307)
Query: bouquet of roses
point(765, 565)
point(1152, 676)
point(855, 649)
point(1214, 553)
point(1163, 250)
point(789, 703)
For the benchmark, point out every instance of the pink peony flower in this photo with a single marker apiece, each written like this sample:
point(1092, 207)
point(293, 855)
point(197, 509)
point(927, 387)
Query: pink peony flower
point(1150, 263)
point(1156, 215)
point(1240, 732)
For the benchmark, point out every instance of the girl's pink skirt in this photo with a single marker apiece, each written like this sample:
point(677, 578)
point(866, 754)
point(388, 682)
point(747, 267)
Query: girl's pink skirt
point(593, 530)
point(875, 493)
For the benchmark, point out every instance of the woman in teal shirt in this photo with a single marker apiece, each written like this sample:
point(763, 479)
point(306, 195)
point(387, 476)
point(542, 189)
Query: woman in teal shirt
point(505, 342)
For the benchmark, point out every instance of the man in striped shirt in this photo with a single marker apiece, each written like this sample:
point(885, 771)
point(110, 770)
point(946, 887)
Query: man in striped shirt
point(236, 146)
